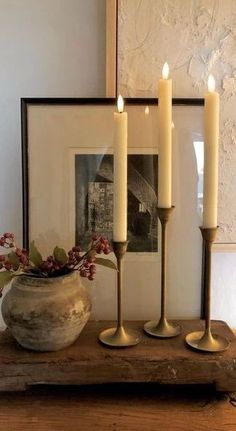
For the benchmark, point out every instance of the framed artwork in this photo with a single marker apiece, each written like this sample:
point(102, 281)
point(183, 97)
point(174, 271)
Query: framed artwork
point(67, 148)
point(84, 168)
point(94, 198)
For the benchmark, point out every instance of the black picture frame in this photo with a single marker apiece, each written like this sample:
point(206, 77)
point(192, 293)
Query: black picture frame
point(27, 102)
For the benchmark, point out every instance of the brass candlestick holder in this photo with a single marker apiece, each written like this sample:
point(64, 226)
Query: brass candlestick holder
point(163, 328)
point(119, 336)
point(205, 340)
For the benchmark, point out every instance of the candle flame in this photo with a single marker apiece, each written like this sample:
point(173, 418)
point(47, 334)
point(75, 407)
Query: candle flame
point(165, 71)
point(211, 83)
point(120, 104)
point(172, 125)
point(147, 110)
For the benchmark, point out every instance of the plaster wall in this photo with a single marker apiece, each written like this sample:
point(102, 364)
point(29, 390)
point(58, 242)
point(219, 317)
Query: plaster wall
point(196, 37)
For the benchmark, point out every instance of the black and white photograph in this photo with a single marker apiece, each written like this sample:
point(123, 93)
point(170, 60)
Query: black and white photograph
point(94, 199)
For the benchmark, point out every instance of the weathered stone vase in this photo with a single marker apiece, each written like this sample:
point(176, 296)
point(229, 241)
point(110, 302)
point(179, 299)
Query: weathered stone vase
point(46, 314)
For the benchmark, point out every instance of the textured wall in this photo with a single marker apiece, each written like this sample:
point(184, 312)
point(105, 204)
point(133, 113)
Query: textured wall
point(196, 37)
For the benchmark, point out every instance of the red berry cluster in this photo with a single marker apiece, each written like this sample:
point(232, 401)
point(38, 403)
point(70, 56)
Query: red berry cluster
point(7, 240)
point(53, 266)
point(88, 270)
point(76, 260)
point(101, 244)
point(74, 256)
point(23, 256)
point(50, 266)
point(21, 260)
point(86, 263)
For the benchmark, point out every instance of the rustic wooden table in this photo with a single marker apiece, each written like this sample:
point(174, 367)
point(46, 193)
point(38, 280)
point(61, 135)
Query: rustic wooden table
point(138, 407)
point(89, 362)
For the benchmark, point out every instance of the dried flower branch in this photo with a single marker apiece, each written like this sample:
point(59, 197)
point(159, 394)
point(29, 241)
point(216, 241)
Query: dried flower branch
point(20, 261)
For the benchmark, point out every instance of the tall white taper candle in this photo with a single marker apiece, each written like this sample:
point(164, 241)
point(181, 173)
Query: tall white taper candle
point(211, 144)
point(165, 139)
point(120, 173)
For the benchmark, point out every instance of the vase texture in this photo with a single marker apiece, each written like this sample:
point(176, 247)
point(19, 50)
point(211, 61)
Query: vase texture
point(46, 314)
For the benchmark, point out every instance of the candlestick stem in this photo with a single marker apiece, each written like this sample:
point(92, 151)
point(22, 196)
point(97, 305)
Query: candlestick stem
point(205, 340)
point(119, 336)
point(163, 268)
point(208, 253)
point(119, 257)
point(163, 328)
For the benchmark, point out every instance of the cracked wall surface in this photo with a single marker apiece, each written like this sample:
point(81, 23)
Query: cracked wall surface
point(196, 37)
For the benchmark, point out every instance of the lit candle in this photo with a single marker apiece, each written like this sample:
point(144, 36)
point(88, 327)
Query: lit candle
point(211, 138)
point(120, 173)
point(165, 139)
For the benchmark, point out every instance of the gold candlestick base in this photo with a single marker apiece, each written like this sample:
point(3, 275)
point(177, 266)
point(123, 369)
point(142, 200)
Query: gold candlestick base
point(119, 336)
point(207, 342)
point(204, 340)
point(162, 329)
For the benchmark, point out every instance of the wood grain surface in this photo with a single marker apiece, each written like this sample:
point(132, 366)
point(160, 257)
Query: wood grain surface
point(88, 362)
point(117, 408)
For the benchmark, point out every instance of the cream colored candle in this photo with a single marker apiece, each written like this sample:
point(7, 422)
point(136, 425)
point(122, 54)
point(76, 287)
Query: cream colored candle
point(211, 143)
point(120, 173)
point(165, 139)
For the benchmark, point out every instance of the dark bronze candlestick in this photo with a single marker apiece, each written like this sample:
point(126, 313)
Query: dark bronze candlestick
point(119, 336)
point(163, 328)
point(205, 340)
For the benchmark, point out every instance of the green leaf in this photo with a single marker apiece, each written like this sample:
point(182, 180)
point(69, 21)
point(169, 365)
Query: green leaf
point(34, 255)
point(60, 255)
point(5, 278)
point(105, 262)
point(14, 260)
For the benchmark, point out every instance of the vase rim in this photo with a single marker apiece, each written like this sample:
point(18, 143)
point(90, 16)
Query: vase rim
point(25, 281)
point(35, 277)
